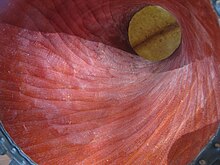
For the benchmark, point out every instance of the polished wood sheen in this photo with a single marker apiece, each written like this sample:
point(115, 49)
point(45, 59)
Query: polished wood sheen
point(72, 91)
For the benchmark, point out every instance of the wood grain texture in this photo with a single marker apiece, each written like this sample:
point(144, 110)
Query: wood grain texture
point(73, 92)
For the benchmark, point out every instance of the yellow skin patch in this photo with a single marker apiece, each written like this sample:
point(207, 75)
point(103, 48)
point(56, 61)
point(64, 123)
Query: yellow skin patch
point(154, 33)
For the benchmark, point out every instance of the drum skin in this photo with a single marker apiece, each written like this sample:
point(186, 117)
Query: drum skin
point(72, 91)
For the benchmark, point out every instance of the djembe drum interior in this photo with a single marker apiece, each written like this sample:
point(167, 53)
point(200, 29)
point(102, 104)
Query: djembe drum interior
point(73, 91)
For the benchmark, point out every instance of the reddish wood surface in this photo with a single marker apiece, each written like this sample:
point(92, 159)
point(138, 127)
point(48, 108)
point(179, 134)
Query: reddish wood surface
point(73, 92)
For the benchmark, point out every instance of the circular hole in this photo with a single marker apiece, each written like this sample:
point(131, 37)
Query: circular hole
point(217, 145)
point(202, 162)
point(2, 140)
point(13, 150)
point(154, 33)
point(23, 162)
